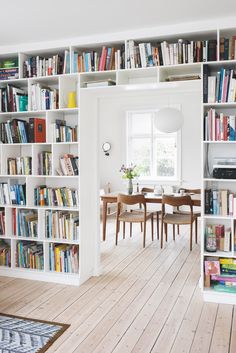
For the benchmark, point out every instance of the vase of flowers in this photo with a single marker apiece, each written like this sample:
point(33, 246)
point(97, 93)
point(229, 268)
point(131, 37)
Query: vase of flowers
point(129, 173)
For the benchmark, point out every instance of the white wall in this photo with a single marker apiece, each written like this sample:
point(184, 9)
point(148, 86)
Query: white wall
point(111, 115)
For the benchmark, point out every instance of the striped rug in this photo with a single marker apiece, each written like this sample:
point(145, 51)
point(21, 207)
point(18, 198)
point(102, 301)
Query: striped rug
point(21, 335)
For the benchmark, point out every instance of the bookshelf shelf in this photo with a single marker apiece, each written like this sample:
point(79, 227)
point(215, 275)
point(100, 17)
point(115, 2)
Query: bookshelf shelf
point(218, 254)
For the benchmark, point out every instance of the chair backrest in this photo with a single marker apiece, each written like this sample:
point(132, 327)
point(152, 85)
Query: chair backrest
point(144, 189)
point(191, 191)
point(177, 201)
point(130, 200)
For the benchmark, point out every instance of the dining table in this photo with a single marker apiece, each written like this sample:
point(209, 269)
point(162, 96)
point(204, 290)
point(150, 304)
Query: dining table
point(150, 198)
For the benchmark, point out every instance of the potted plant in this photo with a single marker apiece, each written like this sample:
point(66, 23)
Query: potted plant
point(129, 173)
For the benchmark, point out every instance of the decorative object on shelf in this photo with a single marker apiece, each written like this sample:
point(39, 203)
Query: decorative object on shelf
point(106, 147)
point(210, 239)
point(129, 173)
point(169, 120)
point(71, 99)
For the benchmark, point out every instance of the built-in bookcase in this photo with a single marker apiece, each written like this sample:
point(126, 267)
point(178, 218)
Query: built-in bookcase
point(44, 239)
point(218, 209)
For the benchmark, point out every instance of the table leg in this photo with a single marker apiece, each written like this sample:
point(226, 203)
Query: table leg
point(104, 219)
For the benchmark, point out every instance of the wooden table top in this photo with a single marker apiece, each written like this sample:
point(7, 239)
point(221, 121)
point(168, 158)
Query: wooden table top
point(150, 197)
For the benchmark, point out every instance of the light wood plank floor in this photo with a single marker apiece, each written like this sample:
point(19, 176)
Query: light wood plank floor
point(147, 300)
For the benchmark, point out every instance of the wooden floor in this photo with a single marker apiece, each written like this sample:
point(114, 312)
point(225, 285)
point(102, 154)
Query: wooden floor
point(147, 300)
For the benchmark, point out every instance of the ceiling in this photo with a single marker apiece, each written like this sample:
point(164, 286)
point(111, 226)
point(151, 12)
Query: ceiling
point(32, 21)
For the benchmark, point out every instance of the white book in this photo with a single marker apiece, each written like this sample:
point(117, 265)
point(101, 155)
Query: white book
point(234, 206)
point(231, 204)
point(167, 52)
point(171, 47)
point(227, 239)
point(189, 53)
point(142, 55)
point(211, 89)
point(163, 53)
point(131, 53)
point(213, 119)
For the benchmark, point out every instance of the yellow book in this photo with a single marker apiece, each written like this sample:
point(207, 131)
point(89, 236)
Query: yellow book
point(228, 261)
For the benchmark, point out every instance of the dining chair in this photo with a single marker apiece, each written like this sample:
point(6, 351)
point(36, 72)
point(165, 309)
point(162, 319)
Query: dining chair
point(133, 217)
point(197, 213)
point(177, 219)
point(156, 214)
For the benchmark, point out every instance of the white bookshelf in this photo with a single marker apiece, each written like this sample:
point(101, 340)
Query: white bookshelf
point(87, 148)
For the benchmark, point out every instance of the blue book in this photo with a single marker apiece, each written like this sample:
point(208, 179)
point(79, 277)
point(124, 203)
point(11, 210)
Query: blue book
point(222, 76)
point(75, 63)
point(232, 128)
point(87, 62)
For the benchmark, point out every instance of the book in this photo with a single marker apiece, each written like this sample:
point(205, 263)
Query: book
point(12, 194)
point(184, 77)
point(220, 88)
point(62, 225)
point(63, 196)
point(37, 130)
point(37, 66)
point(44, 98)
point(146, 54)
point(45, 163)
point(30, 255)
point(69, 165)
point(19, 166)
point(10, 98)
point(64, 258)
point(104, 59)
point(27, 223)
point(100, 83)
point(61, 132)
point(5, 253)
point(212, 267)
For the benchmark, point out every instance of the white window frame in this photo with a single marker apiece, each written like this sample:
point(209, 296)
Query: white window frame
point(151, 179)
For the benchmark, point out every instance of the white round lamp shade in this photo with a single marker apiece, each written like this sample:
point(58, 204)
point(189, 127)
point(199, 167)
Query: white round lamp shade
point(169, 120)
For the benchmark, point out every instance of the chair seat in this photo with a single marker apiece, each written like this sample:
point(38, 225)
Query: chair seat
point(138, 210)
point(195, 213)
point(134, 216)
point(178, 218)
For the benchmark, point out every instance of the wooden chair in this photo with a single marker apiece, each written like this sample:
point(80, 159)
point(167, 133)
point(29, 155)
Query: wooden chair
point(132, 217)
point(155, 213)
point(177, 219)
point(196, 213)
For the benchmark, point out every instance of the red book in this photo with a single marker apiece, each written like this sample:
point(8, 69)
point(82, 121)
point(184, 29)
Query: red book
point(102, 63)
point(14, 221)
point(225, 128)
point(219, 231)
point(37, 130)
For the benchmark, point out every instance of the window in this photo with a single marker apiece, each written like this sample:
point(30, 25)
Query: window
point(156, 154)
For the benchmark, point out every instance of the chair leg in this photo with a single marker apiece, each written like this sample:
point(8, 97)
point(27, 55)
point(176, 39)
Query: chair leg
point(178, 229)
point(144, 233)
point(141, 226)
point(191, 236)
point(123, 230)
point(174, 232)
point(117, 230)
point(165, 225)
point(130, 229)
point(161, 234)
point(157, 225)
point(152, 227)
point(196, 230)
